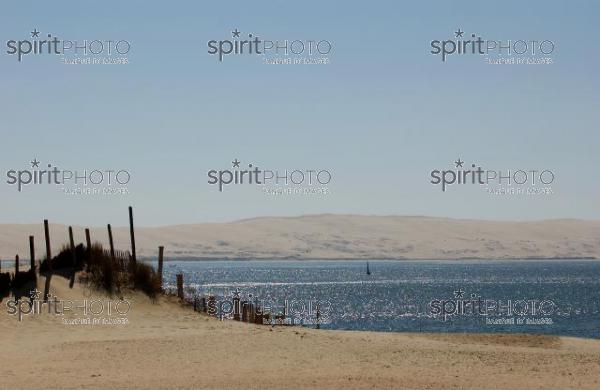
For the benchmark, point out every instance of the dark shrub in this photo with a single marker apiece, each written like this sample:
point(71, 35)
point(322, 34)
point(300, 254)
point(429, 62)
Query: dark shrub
point(113, 274)
point(105, 272)
point(145, 279)
point(64, 260)
point(4, 284)
point(24, 278)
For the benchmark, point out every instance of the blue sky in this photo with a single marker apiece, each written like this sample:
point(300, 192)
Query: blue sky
point(380, 116)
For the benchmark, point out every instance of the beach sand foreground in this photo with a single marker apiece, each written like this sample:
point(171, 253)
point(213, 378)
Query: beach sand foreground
point(167, 346)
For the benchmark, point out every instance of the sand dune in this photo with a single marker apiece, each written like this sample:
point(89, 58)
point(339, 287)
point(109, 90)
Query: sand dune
point(166, 346)
point(338, 237)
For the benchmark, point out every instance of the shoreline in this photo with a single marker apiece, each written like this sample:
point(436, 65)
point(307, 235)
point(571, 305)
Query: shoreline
point(360, 259)
point(25, 261)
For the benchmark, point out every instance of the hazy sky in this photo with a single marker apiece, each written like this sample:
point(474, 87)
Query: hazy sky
point(380, 116)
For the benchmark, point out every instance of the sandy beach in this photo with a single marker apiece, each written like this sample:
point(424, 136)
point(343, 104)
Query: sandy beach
point(331, 236)
point(168, 346)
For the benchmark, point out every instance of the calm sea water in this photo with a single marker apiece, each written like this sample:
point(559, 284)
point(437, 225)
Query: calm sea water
point(546, 297)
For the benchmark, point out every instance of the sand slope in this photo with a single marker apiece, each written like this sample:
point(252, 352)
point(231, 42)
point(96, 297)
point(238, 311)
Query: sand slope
point(166, 346)
point(338, 237)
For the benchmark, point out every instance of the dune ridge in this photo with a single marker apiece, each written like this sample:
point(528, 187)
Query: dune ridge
point(330, 236)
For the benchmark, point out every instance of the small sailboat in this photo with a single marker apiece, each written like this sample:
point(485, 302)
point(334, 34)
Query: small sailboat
point(368, 270)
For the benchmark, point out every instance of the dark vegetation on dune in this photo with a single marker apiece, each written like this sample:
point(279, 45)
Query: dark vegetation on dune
point(102, 271)
point(23, 278)
point(4, 284)
point(62, 263)
point(19, 283)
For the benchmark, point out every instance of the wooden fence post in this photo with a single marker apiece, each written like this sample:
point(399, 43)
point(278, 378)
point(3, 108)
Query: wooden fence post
point(110, 241)
point(32, 253)
point(73, 257)
point(161, 250)
point(49, 259)
point(251, 313)
point(88, 240)
point(132, 234)
point(318, 316)
point(259, 315)
point(180, 286)
point(236, 308)
point(244, 311)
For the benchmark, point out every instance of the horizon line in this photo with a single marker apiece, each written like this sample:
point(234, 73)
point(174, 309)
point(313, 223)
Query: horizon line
point(300, 216)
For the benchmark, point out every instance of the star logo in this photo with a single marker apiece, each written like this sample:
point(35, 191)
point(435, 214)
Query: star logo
point(35, 163)
point(459, 293)
point(35, 33)
point(459, 163)
point(236, 33)
point(35, 294)
point(236, 163)
point(459, 33)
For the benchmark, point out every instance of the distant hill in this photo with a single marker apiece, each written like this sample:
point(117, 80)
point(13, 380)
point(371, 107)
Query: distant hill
point(337, 237)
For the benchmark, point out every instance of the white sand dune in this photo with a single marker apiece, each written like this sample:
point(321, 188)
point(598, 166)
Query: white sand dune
point(336, 237)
